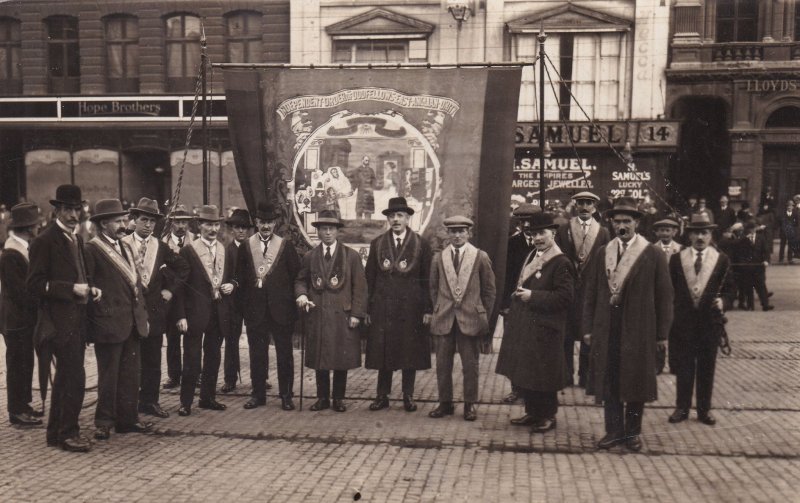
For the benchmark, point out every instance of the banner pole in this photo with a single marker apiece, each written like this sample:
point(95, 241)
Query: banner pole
point(371, 66)
point(203, 69)
point(541, 38)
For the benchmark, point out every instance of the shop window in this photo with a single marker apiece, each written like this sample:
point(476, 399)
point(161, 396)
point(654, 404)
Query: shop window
point(737, 20)
point(243, 37)
point(10, 45)
point(63, 57)
point(380, 51)
point(183, 52)
point(122, 54)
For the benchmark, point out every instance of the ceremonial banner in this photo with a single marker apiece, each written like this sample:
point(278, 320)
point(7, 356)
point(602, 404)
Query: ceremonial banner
point(351, 139)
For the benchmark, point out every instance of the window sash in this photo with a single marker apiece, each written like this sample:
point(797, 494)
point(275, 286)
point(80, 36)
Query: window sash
point(182, 46)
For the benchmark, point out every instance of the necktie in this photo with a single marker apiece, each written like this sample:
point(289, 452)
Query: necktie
point(398, 243)
point(622, 248)
point(142, 252)
point(180, 242)
point(456, 261)
point(698, 263)
point(211, 250)
point(327, 253)
point(265, 242)
point(753, 238)
point(585, 229)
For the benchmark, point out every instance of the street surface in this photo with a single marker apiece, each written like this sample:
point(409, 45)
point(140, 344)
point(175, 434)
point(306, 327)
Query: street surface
point(266, 454)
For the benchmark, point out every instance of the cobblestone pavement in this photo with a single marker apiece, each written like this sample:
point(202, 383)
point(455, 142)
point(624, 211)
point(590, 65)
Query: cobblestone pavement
point(266, 454)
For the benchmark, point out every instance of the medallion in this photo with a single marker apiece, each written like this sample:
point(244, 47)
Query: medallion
point(458, 290)
point(318, 282)
point(144, 277)
point(334, 280)
point(215, 280)
point(259, 283)
point(261, 270)
point(538, 274)
point(403, 264)
point(386, 263)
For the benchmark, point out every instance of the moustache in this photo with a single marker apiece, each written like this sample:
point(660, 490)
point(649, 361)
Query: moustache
point(623, 232)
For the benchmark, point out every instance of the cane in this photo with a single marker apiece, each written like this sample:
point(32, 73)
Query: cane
point(302, 353)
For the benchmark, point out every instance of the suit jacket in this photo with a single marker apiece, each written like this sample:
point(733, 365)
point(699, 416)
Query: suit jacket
point(518, 250)
point(17, 310)
point(787, 224)
point(276, 294)
point(122, 305)
point(472, 308)
point(725, 218)
point(172, 313)
point(188, 238)
point(747, 252)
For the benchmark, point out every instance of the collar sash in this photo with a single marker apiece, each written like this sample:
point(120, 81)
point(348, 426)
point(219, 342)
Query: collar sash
point(329, 274)
point(698, 282)
point(261, 263)
point(147, 267)
point(125, 267)
point(583, 245)
point(13, 244)
point(404, 260)
point(214, 269)
point(458, 282)
point(672, 248)
point(533, 266)
point(618, 273)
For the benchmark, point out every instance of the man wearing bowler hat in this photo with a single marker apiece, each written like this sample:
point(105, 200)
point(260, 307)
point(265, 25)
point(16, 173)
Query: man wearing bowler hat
point(240, 224)
point(462, 290)
point(161, 272)
point(58, 281)
point(332, 289)
point(627, 315)
point(116, 322)
point(397, 279)
point(18, 314)
point(204, 310)
point(266, 270)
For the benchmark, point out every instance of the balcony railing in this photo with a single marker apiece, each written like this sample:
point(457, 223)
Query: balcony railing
point(739, 51)
point(735, 52)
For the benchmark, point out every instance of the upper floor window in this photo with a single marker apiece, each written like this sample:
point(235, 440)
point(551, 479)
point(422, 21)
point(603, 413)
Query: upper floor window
point(63, 56)
point(122, 54)
point(243, 37)
point(183, 52)
point(379, 51)
point(10, 45)
point(737, 20)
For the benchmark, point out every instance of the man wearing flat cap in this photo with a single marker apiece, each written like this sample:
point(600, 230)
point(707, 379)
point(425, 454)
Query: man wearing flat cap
point(117, 321)
point(240, 224)
point(579, 239)
point(161, 272)
point(58, 281)
point(266, 270)
point(462, 289)
point(18, 314)
point(627, 314)
point(665, 231)
point(397, 279)
point(204, 310)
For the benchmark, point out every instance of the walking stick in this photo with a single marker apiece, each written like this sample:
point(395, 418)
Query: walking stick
point(302, 354)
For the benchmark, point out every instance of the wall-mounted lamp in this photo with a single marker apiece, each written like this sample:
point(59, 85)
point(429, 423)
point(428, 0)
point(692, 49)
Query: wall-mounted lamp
point(461, 11)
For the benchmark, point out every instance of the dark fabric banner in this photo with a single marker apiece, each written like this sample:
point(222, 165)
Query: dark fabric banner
point(351, 139)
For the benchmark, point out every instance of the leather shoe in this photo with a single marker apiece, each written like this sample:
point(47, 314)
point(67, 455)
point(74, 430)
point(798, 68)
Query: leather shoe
point(610, 440)
point(511, 397)
point(76, 444)
point(441, 410)
point(185, 410)
point(707, 419)
point(633, 443)
point(768, 307)
point(102, 433)
point(470, 414)
point(338, 405)
point(24, 419)
point(171, 383)
point(211, 405)
point(544, 425)
point(153, 409)
point(321, 404)
point(408, 403)
point(227, 387)
point(382, 402)
point(287, 403)
point(525, 420)
point(255, 402)
point(140, 427)
point(679, 415)
point(35, 412)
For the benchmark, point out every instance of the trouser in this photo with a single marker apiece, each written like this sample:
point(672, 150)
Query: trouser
point(231, 362)
point(201, 344)
point(174, 367)
point(754, 277)
point(468, 349)
point(785, 244)
point(69, 385)
point(696, 366)
point(540, 404)
point(150, 349)
point(258, 342)
point(118, 369)
point(324, 384)
point(583, 360)
point(621, 418)
point(19, 370)
point(385, 382)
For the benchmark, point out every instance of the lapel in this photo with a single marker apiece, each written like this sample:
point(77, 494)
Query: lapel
point(618, 273)
point(13, 244)
point(403, 260)
point(63, 245)
point(583, 246)
point(125, 267)
point(330, 275)
point(213, 269)
point(458, 282)
point(147, 267)
point(534, 267)
point(263, 264)
point(697, 283)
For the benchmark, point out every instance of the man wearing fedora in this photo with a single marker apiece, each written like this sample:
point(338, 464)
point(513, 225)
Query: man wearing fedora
point(579, 239)
point(178, 237)
point(627, 315)
point(240, 224)
point(532, 351)
point(332, 290)
point(462, 289)
point(58, 281)
point(751, 253)
point(161, 272)
point(397, 280)
point(117, 321)
point(703, 286)
point(18, 314)
point(266, 270)
point(204, 310)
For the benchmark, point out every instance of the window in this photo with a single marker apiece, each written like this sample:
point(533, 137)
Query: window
point(737, 20)
point(10, 44)
point(122, 54)
point(183, 52)
point(243, 37)
point(63, 68)
point(380, 51)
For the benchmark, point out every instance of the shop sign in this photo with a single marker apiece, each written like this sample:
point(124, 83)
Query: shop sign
point(771, 85)
point(599, 134)
point(120, 108)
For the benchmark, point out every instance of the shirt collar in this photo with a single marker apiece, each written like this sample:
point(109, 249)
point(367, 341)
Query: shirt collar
point(401, 236)
point(139, 239)
point(176, 239)
point(209, 244)
point(332, 247)
point(110, 240)
point(703, 253)
point(64, 227)
point(19, 239)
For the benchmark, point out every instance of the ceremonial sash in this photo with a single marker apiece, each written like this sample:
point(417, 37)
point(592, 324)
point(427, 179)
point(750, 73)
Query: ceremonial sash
point(534, 267)
point(13, 244)
point(262, 264)
point(458, 282)
point(330, 274)
point(402, 261)
point(147, 267)
point(125, 267)
point(213, 269)
point(618, 273)
point(583, 246)
point(697, 282)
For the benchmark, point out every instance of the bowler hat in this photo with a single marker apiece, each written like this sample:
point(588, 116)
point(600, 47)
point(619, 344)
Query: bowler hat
point(699, 221)
point(586, 195)
point(667, 222)
point(180, 213)
point(542, 220)
point(240, 218)
point(457, 221)
point(208, 213)
point(24, 215)
point(69, 195)
point(625, 205)
point(147, 207)
point(266, 211)
point(107, 208)
point(327, 217)
point(398, 204)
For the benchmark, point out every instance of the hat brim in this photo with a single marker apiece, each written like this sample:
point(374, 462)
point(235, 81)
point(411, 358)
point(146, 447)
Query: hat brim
point(404, 209)
point(540, 227)
point(180, 217)
point(268, 217)
point(699, 227)
point(13, 224)
point(334, 223)
point(105, 216)
point(210, 220)
point(236, 221)
point(134, 211)
point(56, 202)
point(634, 213)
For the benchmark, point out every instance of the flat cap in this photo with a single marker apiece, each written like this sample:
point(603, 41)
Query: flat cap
point(457, 221)
point(526, 210)
point(586, 195)
point(667, 222)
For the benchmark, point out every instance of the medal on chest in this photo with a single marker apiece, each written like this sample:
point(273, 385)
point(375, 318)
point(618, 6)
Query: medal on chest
point(538, 274)
point(387, 263)
point(334, 280)
point(403, 265)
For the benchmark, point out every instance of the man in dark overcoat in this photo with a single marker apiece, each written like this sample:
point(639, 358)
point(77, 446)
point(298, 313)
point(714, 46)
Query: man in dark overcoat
point(266, 269)
point(331, 289)
point(703, 286)
point(532, 351)
point(627, 314)
point(397, 280)
point(204, 309)
point(240, 224)
point(161, 272)
point(788, 220)
point(579, 239)
point(18, 314)
point(58, 282)
point(751, 254)
point(116, 322)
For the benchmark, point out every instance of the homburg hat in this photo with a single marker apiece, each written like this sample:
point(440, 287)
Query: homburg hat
point(208, 213)
point(180, 213)
point(624, 205)
point(699, 221)
point(24, 215)
point(107, 208)
point(327, 217)
point(398, 204)
point(146, 206)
